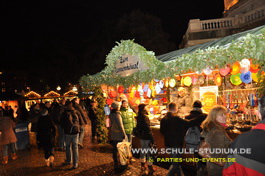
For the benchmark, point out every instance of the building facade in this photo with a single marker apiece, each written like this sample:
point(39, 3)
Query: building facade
point(238, 16)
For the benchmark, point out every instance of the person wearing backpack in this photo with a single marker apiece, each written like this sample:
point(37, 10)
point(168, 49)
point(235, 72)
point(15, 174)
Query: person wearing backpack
point(173, 128)
point(70, 122)
point(193, 137)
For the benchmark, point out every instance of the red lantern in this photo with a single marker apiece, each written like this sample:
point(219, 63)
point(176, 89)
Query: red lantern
point(137, 94)
point(109, 101)
point(120, 89)
point(112, 94)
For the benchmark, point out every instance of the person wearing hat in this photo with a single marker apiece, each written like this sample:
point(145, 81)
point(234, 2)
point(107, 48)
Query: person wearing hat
point(196, 113)
point(46, 131)
point(174, 128)
point(117, 134)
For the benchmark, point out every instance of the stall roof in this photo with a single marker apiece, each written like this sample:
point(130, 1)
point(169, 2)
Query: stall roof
point(219, 42)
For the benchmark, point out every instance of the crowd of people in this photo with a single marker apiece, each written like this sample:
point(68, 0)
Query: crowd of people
point(212, 129)
point(58, 125)
point(61, 126)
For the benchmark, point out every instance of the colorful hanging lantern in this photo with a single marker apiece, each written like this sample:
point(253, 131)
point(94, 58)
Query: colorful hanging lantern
point(224, 71)
point(120, 89)
point(254, 68)
point(161, 84)
point(137, 94)
point(112, 94)
point(246, 77)
point(244, 63)
point(235, 68)
point(255, 77)
point(146, 87)
point(109, 101)
point(172, 82)
point(149, 93)
point(218, 80)
point(187, 81)
point(194, 80)
point(157, 88)
point(235, 79)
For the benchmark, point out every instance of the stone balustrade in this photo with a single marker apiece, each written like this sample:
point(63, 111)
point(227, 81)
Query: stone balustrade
point(196, 25)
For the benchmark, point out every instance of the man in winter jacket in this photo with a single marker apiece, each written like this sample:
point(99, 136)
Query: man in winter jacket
point(173, 128)
point(128, 120)
point(83, 120)
point(68, 118)
point(252, 162)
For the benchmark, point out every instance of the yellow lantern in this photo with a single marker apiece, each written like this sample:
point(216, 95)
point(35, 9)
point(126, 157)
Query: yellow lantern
point(172, 82)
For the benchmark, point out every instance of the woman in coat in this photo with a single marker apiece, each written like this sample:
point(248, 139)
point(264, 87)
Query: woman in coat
point(46, 131)
point(8, 137)
point(117, 133)
point(146, 136)
point(214, 133)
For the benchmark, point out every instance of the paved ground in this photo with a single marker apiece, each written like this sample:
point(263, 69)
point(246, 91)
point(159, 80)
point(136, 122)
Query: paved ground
point(95, 160)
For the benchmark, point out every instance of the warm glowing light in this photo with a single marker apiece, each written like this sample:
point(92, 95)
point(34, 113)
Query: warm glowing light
point(172, 82)
point(70, 93)
point(32, 94)
point(52, 94)
point(74, 89)
point(58, 88)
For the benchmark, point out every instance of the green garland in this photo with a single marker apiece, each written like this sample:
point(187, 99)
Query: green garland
point(101, 129)
point(249, 46)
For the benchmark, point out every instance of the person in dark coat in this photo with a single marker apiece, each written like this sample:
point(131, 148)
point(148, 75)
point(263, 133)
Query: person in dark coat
point(174, 128)
point(84, 120)
point(56, 113)
point(46, 131)
point(146, 136)
point(92, 114)
point(71, 139)
point(196, 112)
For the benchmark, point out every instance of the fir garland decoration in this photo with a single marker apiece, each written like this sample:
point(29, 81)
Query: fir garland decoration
point(248, 46)
point(101, 129)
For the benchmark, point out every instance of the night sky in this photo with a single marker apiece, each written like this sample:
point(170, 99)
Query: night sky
point(35, 30)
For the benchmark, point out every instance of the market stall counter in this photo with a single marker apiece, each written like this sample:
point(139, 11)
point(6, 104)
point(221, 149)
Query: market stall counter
point(159, 138)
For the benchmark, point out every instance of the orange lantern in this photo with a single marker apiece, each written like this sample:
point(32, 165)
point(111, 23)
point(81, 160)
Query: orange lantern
point(254, 68)
point(218, 80)
point(235, 68)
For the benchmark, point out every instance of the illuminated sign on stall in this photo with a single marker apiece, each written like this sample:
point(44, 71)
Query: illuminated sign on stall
point(208, 96)
point(127, 65)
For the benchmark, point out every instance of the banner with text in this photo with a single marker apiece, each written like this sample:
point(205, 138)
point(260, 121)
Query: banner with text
point(127, 65)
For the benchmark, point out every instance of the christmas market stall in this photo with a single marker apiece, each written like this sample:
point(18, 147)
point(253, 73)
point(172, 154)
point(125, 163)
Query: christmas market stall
point(228, 71)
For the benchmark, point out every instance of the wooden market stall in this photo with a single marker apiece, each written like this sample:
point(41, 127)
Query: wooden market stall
point(33, 97)
point(227, 71)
